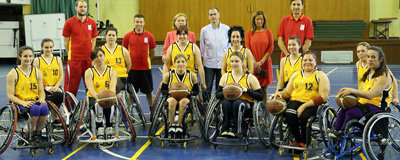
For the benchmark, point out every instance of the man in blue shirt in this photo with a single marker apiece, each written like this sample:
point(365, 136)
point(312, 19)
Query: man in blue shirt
point(213, 43)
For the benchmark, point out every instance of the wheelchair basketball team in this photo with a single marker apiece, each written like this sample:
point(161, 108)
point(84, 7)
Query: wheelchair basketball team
point(37, 82)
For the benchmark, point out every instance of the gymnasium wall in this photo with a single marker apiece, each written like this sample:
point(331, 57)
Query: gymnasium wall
point(386, 9)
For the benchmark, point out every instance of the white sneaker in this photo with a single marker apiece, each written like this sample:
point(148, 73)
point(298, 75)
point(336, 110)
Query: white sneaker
point(100, 133)
point(109, 132)
point(171, 129)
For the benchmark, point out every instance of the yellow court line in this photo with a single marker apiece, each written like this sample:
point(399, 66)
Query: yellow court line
point(362, 156)
point(277, 74)
point(140, 151)
point(75, 151)
point(397, 80)
point(296, 158)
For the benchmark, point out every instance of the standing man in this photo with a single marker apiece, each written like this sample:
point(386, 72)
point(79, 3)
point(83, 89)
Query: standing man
point(80, 34)
point(213, 43)
point(295, 24)
point(140, 44)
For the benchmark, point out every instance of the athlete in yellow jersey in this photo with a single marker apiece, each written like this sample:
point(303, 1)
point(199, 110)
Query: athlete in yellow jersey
point(191, 52)
point(117, 57)
point(236, 35)
point(53, 72)
point(97, 78)
point(307, 89)
point(291, 63)
point(25, 88)
point(374, 91)
point(361, 64)
point(232, 109)
point(180, 74)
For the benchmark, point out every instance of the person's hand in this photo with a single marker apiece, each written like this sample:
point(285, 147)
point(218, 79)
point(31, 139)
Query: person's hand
point(203, 86)
point(28, 104)
point(395, 101)
point(42, 101)
point(300, 110)
point(345, 91)
point(257, 65)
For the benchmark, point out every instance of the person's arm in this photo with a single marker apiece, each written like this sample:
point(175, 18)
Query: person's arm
point(199, 65)
point(250, 61)
point(66, 43)
point(287, 92)
point(195, 88)
point(164, 84)
point(89, 83)
point(223, 69)
point(395, 99)
point(11, 91)
point(41, 95)
point(381, 83)
point(93, 42)
point(127, 58)
point(192, 37)
point(152, 46)
point(202, 42)
point(113, 82)
point(221, 85)
point(256, 91)
point(270, 48)
point(307, 45)
point(282, 46)
point(167, 43)
point(61, 78)
point(125, 41)
point(281, 80)
point(36, 62)
point(168, 60)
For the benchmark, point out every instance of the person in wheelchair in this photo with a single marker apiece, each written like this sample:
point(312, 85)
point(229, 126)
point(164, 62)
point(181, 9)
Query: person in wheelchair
point(307, 89)
point(25, 89)
point(97, 78)
point(232, 109)
point(53, 74)
point(374, 92)
point(179, 74)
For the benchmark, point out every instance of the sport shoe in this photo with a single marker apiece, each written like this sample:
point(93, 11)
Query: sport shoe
point(335, 133)
point(171, 130)
point(179, 131)
point(100, 133)
point(224, 133)
point(109, 132)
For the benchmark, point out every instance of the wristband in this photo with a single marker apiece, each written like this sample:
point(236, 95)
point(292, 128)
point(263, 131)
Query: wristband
point(318, 101)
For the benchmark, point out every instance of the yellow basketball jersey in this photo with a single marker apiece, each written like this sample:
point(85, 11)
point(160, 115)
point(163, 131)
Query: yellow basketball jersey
point(188, 51)
point(50, 70)
point(228, 58)
point(380, 101)
point(101, 81)
point(305, 88)
point(116, 60)
point(187, 78)
point(360, 72)
point(26, 86)
point(244, 82)
point(290, 68)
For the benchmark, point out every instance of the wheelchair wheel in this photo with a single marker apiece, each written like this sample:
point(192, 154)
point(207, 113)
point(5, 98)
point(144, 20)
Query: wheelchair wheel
point(262, 122)
point(127, 120)
point(328, 116)
point(158, 117)
point(155, 104)
point(199, 117)
point(136, 105)
point(58, 131)
point(212, 121)
point(8, 123)
point(70, 101)
point(278, 132)
point(381, 137)
point(76, 120)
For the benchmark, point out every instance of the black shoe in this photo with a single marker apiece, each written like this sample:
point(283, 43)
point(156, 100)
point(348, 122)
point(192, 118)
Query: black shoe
point(171, 130)
point(179, 131)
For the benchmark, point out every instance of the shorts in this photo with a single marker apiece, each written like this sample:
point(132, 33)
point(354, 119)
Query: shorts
point(141, 80)
point(121, 84)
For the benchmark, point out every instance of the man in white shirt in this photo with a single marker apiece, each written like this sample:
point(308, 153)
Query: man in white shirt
point(213, 43)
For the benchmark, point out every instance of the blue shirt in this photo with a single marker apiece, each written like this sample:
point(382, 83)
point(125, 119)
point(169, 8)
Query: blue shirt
point(213, 43)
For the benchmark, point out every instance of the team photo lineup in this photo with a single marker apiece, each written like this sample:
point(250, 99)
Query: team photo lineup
point(214, 93)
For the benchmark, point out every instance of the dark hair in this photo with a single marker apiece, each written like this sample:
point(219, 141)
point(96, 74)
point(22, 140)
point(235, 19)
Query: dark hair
point(382, 69)
point(112, 29)
point(179, 55)
point(302, 2)
point(21, 50)
point(182, 29)
point(312, 53)
point(254, 25)
point(44, 41)
point(236, 28)
point(93, 53)
point(297, 38)
point(211, 8)
point(138, 16)
point(365, 44)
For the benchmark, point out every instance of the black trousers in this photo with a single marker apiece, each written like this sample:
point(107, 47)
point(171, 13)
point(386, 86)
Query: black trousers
point(297, 125)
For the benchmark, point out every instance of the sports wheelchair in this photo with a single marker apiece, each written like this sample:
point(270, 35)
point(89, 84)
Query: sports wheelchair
point(83, 120)
point(130, 99)
point(193, 113)
point(316, 132)
point(15, 122)
point(376, 135)
point(255, 119)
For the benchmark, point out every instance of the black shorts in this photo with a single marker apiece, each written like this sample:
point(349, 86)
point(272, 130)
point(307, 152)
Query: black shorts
point(141, 80)
point(121, 84)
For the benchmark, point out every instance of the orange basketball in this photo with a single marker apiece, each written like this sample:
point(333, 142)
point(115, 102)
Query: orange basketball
point(232, 91)
point(347, 101)
point(106, 98)
point(179, 90)
point(276, 106)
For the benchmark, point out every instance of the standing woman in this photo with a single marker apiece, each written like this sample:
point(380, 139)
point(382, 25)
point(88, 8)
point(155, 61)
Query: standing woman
point(261, 44)
point(235, 35)
point(291, 63)
point(25, 89)
point(53, 73)
point(180, 19)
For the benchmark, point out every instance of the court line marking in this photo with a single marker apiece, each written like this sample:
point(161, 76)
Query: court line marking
point(277, 74)
point(112, 153)
point(83, 146)
point(362, 156)
point(332, 71)
point(140, 151)
point(296, 158)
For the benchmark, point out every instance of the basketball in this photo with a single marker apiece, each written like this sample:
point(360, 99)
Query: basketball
point(347, 102)
point(276, 106)
point(106, 98)
point(179, 90)
point(232, 91)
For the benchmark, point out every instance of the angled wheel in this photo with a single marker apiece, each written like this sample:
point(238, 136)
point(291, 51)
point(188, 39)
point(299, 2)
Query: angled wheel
point(212, 121)
point(381, 137)
point(136, 104)
point(326, 123)
point(8, 123)
point(155, 104)
point(128, 122)
point(76, 120)
point(58, 131)
point(278, 132)
point(262, 122)
point(70, 101)
point(156, 124)
point(199, 117)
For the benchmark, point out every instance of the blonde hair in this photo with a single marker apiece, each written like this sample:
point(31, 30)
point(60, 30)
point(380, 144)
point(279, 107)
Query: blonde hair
point(176, 17)
point(76, 3)
point(241, 57)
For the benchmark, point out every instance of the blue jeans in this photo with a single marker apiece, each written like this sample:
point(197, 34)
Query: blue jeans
point(210, 73)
